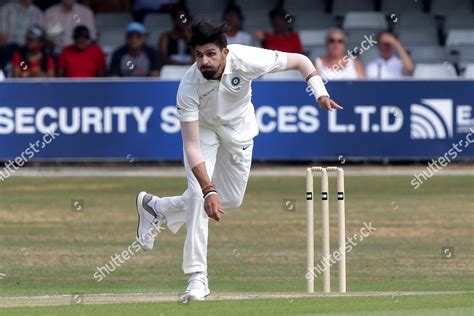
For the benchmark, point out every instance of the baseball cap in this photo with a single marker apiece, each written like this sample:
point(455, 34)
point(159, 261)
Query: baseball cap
point(35, 32)
point(136, 27)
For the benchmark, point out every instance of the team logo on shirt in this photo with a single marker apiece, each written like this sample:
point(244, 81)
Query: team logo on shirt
point(235, 81)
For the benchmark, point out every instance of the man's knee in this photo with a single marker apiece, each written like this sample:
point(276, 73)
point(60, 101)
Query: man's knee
point(232, 203)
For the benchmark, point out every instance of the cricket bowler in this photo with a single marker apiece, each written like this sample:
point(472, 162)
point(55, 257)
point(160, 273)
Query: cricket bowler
point(218, 125)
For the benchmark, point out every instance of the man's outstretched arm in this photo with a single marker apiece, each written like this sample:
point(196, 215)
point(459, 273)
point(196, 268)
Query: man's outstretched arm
point(310, 74)
point(192, 150)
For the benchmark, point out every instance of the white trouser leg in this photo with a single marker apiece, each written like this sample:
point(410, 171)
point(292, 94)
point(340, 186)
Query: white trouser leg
point(232, 172)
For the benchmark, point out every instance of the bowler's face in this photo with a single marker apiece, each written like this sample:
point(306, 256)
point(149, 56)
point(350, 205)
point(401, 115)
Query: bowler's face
point(210, 60)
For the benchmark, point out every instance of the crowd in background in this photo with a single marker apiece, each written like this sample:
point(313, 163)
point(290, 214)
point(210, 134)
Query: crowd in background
point(58, 40)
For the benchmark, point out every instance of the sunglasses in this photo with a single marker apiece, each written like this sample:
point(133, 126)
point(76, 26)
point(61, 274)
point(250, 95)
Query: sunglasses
point(336, 40)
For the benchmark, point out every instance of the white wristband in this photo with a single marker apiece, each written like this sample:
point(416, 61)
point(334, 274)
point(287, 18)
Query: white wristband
point(209, 194)
point(317, 86)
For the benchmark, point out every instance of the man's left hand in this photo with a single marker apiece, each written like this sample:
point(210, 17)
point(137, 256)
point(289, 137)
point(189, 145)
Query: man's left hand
point(328, 104)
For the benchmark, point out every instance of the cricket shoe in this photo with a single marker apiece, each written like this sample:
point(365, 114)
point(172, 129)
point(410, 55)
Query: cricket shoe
point(149, 220)
point(198, 288)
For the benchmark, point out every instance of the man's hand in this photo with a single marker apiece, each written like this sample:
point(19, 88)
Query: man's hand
point(328, 104)
point(213, 208)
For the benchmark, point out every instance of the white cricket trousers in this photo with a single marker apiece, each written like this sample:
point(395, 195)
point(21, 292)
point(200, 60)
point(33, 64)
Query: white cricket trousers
point(228, 165)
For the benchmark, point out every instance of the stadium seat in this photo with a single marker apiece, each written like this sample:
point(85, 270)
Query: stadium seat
point(428, 54)
point(356, 36)
point(435, 71)
point(460, 38)
point(256, 5)
point(203, 8)
point(318, 51)
point(459, 20)
point(341, 7)
point(313, 20)
point(173, 72)
point(416, 20)
point(284, 75)
point(160, 20)
point(399, 6)
point(466, 53)
point(301, 5)
point(110, 20)
point(256, 19)
point(418, 37)
point(469, 72)
point(441, 7)
point(365, 20)
point(111, 37)
point(310, 38)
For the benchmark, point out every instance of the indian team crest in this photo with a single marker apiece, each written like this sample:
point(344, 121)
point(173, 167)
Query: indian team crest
point(235, 81)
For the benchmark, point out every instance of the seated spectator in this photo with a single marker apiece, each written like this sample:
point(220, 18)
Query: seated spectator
point(2, 76)
point(70, 14)
point(234, 18)
point(337, 64)
point(142, 7)
point(135, 58)
point(83, 59)
point(32, 60)
point(53, 33)
point(388, 65)
point(173, 46)
point(16, 18)
point(281, 39)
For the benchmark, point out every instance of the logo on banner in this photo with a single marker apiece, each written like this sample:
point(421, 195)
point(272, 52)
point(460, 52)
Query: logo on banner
point(432, 119)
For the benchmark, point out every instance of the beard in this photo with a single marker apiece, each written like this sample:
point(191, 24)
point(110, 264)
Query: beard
point(208, 73)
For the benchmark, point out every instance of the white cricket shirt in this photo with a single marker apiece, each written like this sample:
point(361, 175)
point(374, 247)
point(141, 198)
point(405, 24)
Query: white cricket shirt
point(225, 105)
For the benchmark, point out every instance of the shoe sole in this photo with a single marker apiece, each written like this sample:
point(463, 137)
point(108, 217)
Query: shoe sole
point(139, 200)
point(189, 298)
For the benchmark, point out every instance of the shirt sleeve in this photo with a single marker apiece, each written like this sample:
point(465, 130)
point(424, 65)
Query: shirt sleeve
point(259, 61)
point(187, 104)
point(115, 64)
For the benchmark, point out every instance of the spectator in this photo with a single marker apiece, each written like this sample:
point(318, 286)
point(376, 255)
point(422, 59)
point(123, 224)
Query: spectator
point(53, 33)
point(281, 39)
point(388, 65)
point(173, 46)
point(142, 7)
point(337, 64)
point(16, 18)
point(83, 59)
point(234, 19)
point(32, 60)
point(135, 59)
point(69, 14)
point(2, 76)
point(45, 4)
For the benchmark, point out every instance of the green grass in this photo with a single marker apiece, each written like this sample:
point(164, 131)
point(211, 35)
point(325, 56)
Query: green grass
point(45, 248)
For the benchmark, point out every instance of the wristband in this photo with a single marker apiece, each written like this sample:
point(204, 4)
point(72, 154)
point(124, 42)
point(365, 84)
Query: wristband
point(207, 187)
point(317, 86)
point(209, 193)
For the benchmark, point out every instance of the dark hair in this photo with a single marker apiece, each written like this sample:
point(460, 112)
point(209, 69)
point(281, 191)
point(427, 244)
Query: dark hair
point(81, 31)
point(235, 9)
point(177, 9)
point(204, 32)
point(278, 12)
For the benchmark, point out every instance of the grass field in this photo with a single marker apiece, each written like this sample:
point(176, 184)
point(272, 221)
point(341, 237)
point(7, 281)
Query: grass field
point(46, 248)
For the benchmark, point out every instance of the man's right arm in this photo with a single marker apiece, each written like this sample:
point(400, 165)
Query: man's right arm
point(188, 114)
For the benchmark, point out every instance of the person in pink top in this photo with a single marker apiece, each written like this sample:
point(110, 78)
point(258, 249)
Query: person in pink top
point(70, 14)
